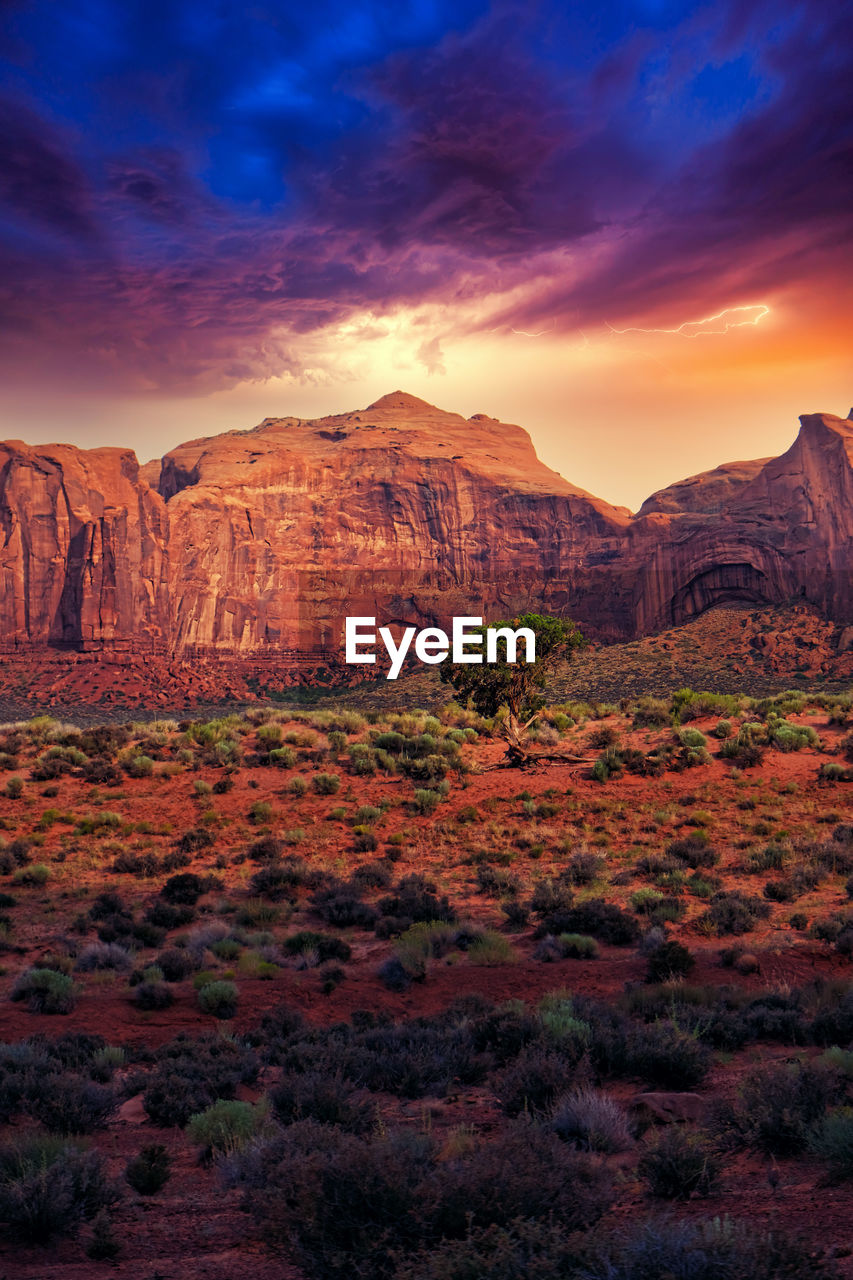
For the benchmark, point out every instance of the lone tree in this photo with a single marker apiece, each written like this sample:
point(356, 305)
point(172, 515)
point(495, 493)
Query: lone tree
point(516, 686)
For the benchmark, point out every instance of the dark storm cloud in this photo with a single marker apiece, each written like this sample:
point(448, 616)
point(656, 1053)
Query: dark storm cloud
point(40, 185)
point(769, 203)
point(190, 193)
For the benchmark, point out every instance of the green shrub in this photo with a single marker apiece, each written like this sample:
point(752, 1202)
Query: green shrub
point(678, 1165)
point(48, 1186)
point(324, 946)
point(421, 942)
point(218, 998)
point(37, 874)
point(226, 949)
point(602, 920)
point(578, 946)
point(225, 1126)
point(366, 813)
point(832, 771)
point(610, 764)
point(651, 711)
point(104, 1245)
point(326, 784)
point(349, 1204)
point(45, 991)
point(791, 737)
point(139, 766)
point(839, 1059)
point(269, 735)
point(183, 890)
point(525, 1250)
point(717, 1250)
point(150, 1170)
point(325, 1098)
point(776, 1108)
point(745, 750)
point(735, 913)
point(256, 913)
point(644, 901)
point(426, 801)
point(666, 1057)
point(69, 1103)
point(831, 1140)
point(191, 1073)
point(98, 824)
point(669, 961)
point(491, 949)
point(562, 1026)
point(687, 705)
point(363, 760)
point(772, 858)
point(152, 995)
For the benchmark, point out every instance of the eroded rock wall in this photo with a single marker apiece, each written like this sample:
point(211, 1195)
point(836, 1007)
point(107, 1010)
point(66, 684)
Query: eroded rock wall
point(83, 556)
point(264, 540)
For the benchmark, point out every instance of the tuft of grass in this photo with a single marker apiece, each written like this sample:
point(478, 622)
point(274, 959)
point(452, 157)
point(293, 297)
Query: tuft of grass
point(492, 949)
point(831, 1140)
point(226, 1126)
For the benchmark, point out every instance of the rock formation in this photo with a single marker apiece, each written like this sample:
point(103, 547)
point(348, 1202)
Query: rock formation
point(258, 543)
point(709, 493)
point(784, 534)
point(84, 552)
point(400, 510)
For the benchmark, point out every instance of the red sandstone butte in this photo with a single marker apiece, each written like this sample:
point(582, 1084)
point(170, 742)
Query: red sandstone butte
point(261, 541)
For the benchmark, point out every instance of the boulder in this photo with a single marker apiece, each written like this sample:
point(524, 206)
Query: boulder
point(668, 1108)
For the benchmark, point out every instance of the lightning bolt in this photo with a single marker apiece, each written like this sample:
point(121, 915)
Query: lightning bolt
point(760, 308)
point(522, 333)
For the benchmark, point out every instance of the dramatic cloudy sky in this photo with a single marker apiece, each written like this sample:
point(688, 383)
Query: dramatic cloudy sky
point(625, 225)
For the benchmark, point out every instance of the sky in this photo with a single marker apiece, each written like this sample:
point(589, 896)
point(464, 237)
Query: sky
point(625, 226)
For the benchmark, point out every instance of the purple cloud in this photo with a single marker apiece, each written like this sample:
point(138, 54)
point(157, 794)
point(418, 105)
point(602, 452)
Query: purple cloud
point(213, 203)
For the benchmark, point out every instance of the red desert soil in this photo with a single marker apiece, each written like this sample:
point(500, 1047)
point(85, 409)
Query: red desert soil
point(194, 1228)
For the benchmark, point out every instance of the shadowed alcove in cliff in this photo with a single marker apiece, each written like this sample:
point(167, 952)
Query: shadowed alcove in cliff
point(720, 584)
point(66, 630)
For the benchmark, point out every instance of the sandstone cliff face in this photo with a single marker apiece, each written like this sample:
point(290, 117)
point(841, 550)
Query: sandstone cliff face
point(261, 541)
point(83, 557)
point(277, 533)
point(786, 534)
point(708, 493)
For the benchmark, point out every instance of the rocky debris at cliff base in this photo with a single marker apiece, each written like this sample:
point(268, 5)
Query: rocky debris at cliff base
point(807, 643)
point(730, 649)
